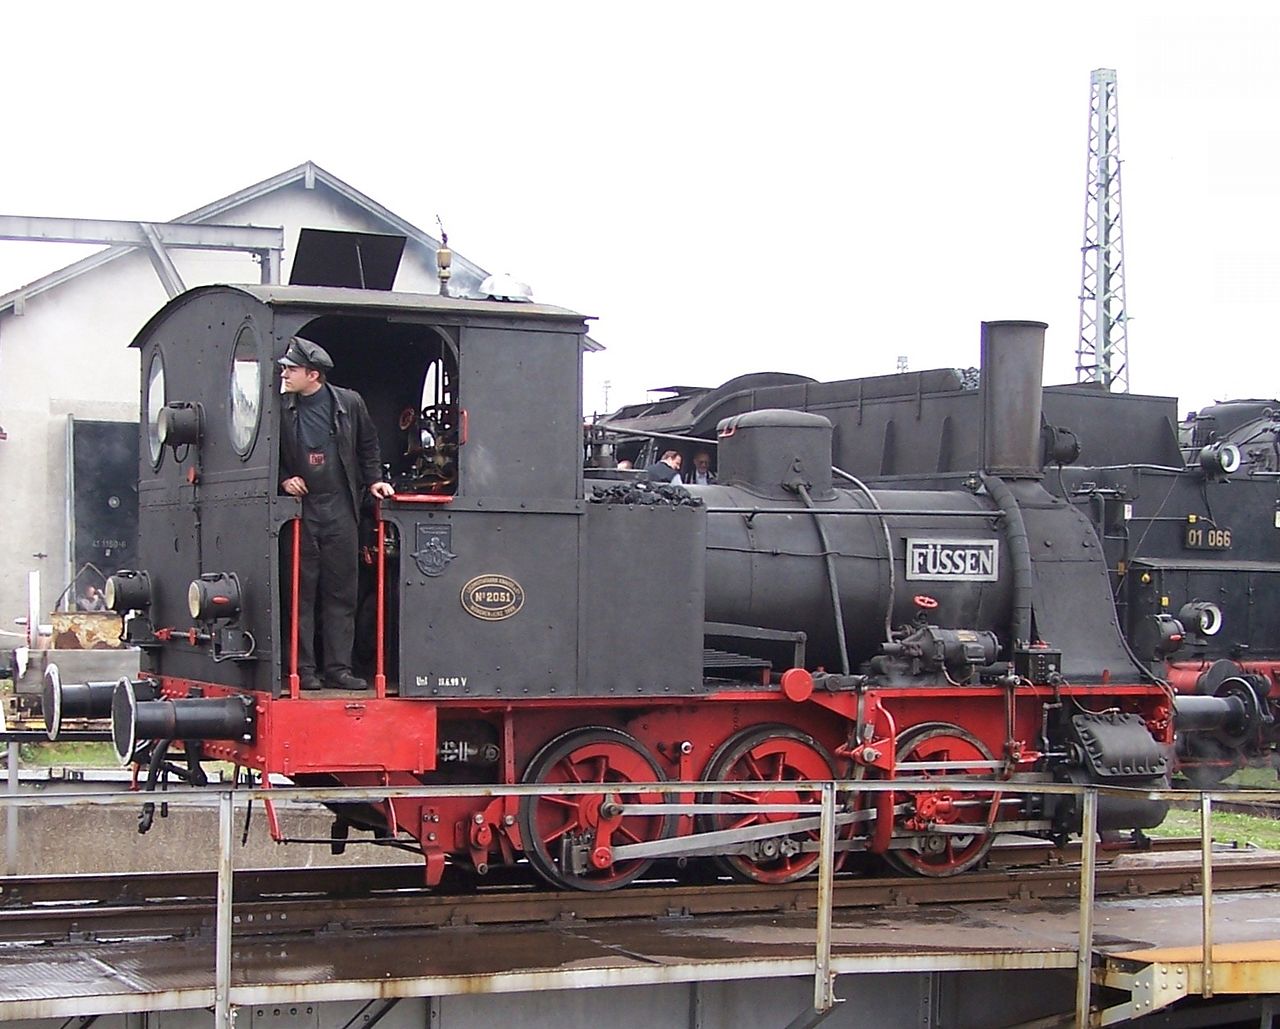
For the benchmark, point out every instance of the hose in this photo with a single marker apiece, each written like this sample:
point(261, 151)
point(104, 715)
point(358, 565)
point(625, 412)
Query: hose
point(832, 581)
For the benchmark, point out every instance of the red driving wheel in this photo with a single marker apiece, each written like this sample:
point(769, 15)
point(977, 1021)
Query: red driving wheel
point(776, 754)
point(569, 838)
point(933, 816)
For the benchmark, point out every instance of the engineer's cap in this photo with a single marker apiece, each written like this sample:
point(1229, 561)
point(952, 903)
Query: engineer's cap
point(302, 353)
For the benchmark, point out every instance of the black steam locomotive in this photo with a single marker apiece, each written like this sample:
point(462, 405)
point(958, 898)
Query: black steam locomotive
point(521, 622)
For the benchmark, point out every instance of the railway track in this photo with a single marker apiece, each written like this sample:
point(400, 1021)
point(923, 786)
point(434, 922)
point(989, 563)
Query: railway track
point(1260, 808)
point(1252, 808)
point(40, 910)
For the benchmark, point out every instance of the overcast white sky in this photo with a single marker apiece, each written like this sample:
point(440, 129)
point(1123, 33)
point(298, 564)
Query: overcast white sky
point(728, 187)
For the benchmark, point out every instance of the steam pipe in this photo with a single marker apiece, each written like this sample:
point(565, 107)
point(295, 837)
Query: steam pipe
point(832, 581)
point(1015, 532)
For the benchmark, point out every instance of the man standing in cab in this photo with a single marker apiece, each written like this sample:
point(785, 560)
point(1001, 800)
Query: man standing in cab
point(328, 459)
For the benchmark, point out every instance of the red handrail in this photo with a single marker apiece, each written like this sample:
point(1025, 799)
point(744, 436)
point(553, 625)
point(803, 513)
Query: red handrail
point(295, 683)
point(380, 676)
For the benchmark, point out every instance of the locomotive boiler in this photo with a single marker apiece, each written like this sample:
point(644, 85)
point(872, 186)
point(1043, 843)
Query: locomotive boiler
point(1185, 515)
point(520, 623)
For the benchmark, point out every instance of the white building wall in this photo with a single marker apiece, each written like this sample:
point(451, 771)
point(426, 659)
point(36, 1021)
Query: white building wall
point(69, 354)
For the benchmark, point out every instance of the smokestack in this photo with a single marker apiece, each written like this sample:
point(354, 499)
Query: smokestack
point(1012, 372)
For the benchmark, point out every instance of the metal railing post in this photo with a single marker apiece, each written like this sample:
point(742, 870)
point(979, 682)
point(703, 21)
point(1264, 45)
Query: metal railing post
point(11, 816)
point(823, 986)
point(1084, 957)
point(224, 1017)
point(1206, 894)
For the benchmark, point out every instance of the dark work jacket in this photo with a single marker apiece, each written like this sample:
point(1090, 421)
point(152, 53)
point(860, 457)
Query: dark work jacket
point(660, 471)
point(354, 434)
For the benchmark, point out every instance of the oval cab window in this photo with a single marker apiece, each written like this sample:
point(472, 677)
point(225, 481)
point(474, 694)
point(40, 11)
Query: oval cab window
point(246, 391)
point(155, 404)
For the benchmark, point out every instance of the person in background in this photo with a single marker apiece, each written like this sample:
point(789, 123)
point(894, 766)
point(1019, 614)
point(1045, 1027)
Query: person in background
point(91, 599)
point(328, 459)
point(667, 468)
point(702, 473)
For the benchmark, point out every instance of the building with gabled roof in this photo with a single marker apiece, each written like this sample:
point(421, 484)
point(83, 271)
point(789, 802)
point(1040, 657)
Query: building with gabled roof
point(69, 382)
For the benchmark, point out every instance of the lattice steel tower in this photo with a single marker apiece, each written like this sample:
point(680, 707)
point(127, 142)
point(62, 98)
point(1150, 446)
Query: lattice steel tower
point(1102, 354)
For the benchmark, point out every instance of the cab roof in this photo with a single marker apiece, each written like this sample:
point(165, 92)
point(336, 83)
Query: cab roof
point(353, 300)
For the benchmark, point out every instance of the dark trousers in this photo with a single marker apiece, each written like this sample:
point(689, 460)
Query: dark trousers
point(327, 579)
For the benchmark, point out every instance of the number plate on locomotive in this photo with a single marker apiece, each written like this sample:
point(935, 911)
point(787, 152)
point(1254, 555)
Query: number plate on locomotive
point(491, 598)
point(1199, 536)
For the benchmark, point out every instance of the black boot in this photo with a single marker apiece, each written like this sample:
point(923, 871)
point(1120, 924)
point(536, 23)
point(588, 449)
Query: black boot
point(345, 681)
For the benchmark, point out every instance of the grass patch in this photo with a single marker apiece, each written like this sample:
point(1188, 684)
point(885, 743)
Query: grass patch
point(73, 755)
point(1225, 827)
point(1228, 827)
point(101, 755)
point(1254, 778)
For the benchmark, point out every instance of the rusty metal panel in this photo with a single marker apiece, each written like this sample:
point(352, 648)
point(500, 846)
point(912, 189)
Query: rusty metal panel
point(1242, 967)
point(86, 630)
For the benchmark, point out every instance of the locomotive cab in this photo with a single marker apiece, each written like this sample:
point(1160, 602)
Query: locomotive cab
point(478, 413)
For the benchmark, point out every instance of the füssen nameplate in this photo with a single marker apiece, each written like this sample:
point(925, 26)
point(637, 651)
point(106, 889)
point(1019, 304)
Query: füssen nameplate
point(946, 560)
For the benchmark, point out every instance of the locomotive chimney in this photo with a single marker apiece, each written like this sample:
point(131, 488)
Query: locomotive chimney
point(1012, 370)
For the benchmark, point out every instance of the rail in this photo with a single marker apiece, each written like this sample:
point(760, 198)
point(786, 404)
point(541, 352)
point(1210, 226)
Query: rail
point(824, 978)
